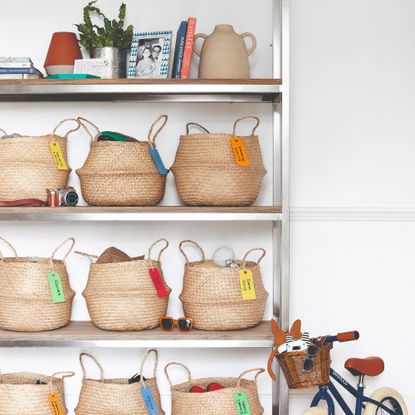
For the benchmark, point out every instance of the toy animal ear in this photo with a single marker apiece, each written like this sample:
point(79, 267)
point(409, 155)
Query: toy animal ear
point(279, 335)
point(296, 330)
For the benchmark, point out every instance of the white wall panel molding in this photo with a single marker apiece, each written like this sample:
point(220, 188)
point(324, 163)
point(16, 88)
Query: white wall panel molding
point(355, 214)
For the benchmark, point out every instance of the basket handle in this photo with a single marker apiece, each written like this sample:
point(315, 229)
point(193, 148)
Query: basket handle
point(195, 124)
point(85, 123)
point(156, 363)
point(248, 117)
point(55, 377)
point(259, 370)
point(72, 240)
point(70, 131)
point(152, 138)
point(10, 246)
point(161, 251)
point(3, 131)
point(101, 370)
point(89, 256)
point(264, 252)
point(188, 241)
point(189, 374)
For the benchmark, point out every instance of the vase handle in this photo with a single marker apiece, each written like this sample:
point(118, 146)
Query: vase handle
point(254, 42)
point(195, 49)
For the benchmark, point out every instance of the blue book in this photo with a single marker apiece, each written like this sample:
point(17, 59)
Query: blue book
point(179, 51)
point(12, 71)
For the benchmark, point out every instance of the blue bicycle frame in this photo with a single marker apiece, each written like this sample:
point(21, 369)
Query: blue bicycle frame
point(329, 391)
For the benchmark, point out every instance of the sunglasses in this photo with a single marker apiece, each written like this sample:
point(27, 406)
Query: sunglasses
point(183, 324)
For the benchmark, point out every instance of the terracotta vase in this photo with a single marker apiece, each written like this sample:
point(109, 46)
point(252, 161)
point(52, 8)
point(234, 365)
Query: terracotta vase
point(63, 51)
point(224, 54)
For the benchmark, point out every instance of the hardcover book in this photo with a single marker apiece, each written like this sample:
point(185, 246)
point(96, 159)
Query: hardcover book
point(179, 51)
point(188, 48)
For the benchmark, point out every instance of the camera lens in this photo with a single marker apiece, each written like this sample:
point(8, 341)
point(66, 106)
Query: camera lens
point(71, 199)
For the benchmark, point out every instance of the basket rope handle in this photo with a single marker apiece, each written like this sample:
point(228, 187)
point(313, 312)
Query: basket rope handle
point(3, 131)
point(70, 131)
point(101, 370)
point(248, 117)
point(166, 242)
point(189, 374)
point(85, 123)
point(152, 138)
point(264, 252)
point(188, 241)
point(72, 240)
point(259, 371)
point(10, 246)
point(196, 125)
point(156, 363)
point(55, 377)
point(89, 256)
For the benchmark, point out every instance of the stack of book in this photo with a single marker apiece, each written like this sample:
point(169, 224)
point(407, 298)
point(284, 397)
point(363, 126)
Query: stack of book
point(184, 49)
point(18, 68)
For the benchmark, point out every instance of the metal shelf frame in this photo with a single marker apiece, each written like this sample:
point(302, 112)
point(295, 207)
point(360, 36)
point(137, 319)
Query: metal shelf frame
point(269, 92)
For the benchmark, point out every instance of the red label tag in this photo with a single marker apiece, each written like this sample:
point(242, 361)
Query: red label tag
point(158, 283)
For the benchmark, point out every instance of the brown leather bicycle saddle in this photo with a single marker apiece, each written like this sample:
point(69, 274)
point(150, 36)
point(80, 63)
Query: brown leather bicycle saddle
point(370, 366)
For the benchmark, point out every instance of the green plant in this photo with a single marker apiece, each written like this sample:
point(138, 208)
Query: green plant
point(111, 34)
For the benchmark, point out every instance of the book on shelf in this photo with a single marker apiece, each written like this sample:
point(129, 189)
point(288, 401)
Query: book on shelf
point(15, 62)
point(179, 51)
point(188, 47)
point(21, 76)
point(18, 71)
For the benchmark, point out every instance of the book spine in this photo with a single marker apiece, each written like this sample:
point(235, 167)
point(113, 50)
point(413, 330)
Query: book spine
point(178, 53)
point(188, 47)
point(15, 59)
point(17, 70)
point(15, 65)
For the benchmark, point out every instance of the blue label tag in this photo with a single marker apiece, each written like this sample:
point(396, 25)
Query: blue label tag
point(158, 161)
point(149, 400)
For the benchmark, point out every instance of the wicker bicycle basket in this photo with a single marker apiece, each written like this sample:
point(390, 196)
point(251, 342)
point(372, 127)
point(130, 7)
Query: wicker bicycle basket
point(216, 402)
point(206, 171)
point(116, 396)
point(212, 295)
point(122, 173)
point(26, 303)
point(21, 395)
point(27, 166)
point(121, 295)
point(292, 366)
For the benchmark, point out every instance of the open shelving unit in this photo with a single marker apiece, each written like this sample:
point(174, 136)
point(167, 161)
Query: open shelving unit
point(274, 92)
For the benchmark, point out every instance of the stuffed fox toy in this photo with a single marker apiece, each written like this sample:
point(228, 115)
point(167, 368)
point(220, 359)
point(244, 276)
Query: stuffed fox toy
point(280, 339)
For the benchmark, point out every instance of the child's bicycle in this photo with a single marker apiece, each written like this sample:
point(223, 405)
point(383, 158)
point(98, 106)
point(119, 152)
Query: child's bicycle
point(383, 401)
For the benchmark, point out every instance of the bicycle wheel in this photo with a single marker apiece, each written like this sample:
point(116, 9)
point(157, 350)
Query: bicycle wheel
point(388, 397)
point(317, 410)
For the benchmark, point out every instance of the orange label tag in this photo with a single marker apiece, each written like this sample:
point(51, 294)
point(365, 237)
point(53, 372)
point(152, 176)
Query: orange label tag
point(238, 148)
point(55, 405)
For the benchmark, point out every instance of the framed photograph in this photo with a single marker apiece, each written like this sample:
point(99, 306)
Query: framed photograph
point(150, 55)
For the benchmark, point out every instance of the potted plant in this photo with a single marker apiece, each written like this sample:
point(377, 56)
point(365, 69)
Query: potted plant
point(109, 41)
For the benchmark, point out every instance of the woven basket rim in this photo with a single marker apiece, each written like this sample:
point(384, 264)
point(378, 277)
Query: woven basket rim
point(213, 380)
point(23, 375)
point(119, 143)
point(17, 140)
point(123, 263)
point(116, 382)
point(32, 260)
point(199, 264)
point(216, 135)
point(301, 352)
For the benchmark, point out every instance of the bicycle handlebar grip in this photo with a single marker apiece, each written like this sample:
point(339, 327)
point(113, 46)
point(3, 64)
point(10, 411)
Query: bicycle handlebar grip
point(348, 336)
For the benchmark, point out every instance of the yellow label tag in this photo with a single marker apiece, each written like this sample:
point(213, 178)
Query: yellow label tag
point(57, 155)
point(239, 151)
point(247, 284)
point(55, 405)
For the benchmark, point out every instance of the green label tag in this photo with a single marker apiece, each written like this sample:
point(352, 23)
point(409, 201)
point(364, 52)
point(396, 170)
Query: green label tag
point(241, 402)
point(56, 288)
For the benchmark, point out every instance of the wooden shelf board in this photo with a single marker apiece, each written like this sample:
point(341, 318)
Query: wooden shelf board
point(84, 334)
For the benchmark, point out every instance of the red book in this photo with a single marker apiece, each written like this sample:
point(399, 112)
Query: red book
point(188, 47)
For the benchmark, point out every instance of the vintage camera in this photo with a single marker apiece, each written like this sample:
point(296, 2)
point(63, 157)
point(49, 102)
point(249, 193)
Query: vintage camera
point(62, 197)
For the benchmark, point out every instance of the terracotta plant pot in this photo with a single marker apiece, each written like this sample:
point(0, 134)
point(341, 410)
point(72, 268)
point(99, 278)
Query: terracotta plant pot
point(63, 51)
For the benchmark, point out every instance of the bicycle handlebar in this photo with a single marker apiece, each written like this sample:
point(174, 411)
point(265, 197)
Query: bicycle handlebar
point(347, 336)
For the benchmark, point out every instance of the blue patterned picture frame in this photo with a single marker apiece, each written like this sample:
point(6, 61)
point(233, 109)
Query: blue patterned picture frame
point(150, 55)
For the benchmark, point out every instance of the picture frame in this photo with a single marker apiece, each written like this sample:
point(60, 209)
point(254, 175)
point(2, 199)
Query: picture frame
point(150, 55)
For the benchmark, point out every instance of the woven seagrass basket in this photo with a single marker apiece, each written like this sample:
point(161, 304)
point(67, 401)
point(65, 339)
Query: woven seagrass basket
point(292, 366)
point(26, 302)
point(121, 295)
point(206, 171)
point(212, 294)
point(27, 167)
point(122, 173)
point(116, 396)
point(220, 402)
point(20, 394)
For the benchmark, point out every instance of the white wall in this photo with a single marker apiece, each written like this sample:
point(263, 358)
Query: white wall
point(352, 131)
